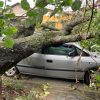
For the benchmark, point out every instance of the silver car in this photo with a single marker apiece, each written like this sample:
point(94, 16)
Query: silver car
point(67, 60)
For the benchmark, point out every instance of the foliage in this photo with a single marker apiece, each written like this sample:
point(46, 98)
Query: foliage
point(12, 85)
point(6, 28)
point(98, 78)
point(76, 5)
point(95, 79)
point(25, 5)
point(90, 44)
point(1, 3)
point(37, 93)
point(35, 15)
point(21, 90)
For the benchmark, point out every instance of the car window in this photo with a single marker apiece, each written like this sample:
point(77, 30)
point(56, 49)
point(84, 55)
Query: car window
point(74, 51)
point(83, 53)
point(77, 51)
point(63, 50)
point(57, 50)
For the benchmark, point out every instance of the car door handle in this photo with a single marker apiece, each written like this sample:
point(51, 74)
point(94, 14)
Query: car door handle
point(49, 61)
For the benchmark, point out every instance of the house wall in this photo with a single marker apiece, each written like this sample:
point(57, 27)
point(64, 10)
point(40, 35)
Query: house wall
point(57, 19)
point(46, 18)
point(98, 4)
point(18, 10)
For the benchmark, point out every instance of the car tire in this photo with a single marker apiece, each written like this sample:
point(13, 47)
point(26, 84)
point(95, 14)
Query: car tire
point(11, 72)
point(87, 77)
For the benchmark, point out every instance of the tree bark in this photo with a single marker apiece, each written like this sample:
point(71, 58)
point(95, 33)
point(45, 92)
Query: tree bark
point(69, 26)
point(9, 57)
point(24, 32)
point(44, 26)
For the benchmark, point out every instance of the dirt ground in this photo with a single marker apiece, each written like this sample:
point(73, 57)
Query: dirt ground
point(57, 89)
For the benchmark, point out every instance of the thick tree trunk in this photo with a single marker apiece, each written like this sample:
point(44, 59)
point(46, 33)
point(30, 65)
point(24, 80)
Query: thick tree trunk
point(9, 57)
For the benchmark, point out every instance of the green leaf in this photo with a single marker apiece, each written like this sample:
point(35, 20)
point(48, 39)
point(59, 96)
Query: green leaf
point(9, 42)
point(41, 3)
point(32, 13)
point(51, 1)
point(2, 23)
point(10, 15)
point(35, 16)
point(67, 2)
point(98, 78)
point(41, 12)
point(76, 5)
point(39, 19)
point(55, 11)
point(30, 21)
point(25, 5)
point(2, 16)
point(10, 31)
point(1, 3)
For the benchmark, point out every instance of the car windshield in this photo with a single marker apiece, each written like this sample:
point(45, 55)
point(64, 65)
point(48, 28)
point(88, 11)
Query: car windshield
point(80, 47)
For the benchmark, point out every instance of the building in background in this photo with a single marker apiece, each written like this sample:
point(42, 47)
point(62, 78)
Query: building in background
point(57, 19)
point(17, 9)
point(98, 4)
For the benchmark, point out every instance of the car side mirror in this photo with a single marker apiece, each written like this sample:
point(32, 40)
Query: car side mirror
point(71, 54)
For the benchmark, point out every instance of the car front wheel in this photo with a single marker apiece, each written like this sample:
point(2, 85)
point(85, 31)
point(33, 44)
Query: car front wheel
point(88, 77)
point(11, 72)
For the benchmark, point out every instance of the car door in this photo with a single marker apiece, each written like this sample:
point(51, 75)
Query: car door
point(33, 65)
point(58, 63)
point(86, 60)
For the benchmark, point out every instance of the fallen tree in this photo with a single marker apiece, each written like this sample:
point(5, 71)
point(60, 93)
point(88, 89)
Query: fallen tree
point(69, 26)
point(24, 47)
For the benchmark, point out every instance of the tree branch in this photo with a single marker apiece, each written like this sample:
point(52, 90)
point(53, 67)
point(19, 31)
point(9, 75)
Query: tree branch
point(44, 26)
point(69, 26)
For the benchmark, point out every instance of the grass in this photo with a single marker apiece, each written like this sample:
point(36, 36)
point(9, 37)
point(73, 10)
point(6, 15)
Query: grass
point(14, 89)
point(98, 78)
point(12, 84)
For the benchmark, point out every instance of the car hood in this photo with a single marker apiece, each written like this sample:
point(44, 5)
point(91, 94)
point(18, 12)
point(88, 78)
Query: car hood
point(96, 57)
point(94, 54)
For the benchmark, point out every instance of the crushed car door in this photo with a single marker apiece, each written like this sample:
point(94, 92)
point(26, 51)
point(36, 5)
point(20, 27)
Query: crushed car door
point(34, 64)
